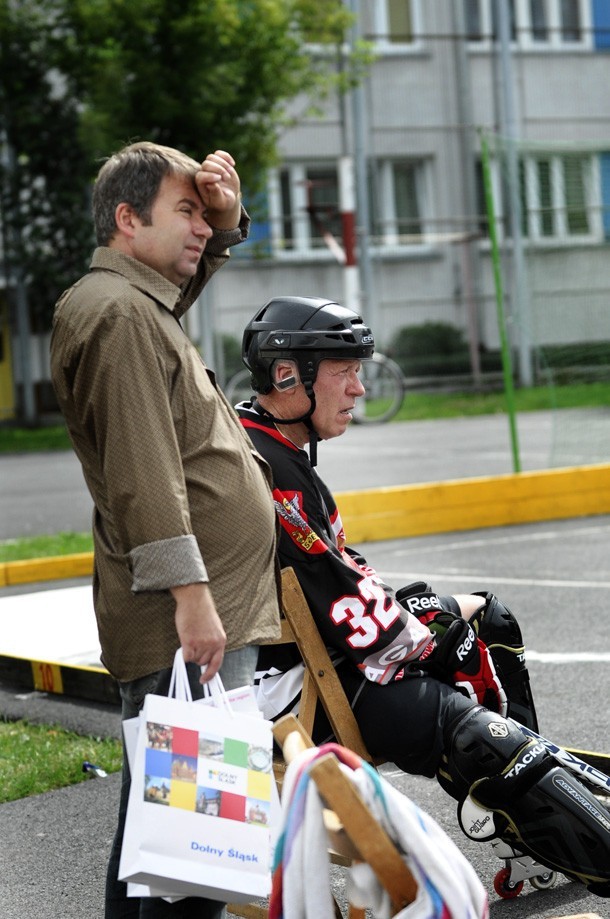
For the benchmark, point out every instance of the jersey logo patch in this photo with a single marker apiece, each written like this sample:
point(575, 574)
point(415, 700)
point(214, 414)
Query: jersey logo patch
point(292, 519)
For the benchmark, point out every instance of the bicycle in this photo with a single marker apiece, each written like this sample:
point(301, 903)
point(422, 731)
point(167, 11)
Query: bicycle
point(239, 388)
point(381, 377)
point(385, 390)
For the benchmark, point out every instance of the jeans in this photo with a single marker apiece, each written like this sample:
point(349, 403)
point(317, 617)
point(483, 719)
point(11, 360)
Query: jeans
point(237, 670)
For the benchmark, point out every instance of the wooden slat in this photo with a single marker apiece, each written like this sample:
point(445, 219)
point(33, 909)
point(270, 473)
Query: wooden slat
point(366, 834)
point(314, 653)
point(353, 832)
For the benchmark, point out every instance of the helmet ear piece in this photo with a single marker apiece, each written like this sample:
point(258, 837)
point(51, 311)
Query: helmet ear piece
point(285, 375)
point(288, 383)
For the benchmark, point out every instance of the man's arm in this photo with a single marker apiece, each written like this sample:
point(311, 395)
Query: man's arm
point(199, 628)
point(219, 185)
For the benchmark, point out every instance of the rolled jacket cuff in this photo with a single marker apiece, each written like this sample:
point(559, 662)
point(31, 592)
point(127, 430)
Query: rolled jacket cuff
point(225, 239)
point(167, 563)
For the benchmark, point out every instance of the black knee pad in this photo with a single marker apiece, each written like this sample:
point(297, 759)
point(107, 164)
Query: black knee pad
point(497, 627)
point(537, 806)
point(479, 744)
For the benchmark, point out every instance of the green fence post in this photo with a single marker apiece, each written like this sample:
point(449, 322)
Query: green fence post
point(507, 367)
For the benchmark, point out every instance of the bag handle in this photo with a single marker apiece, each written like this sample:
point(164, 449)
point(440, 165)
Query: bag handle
point(214, 689)
point(179, 686)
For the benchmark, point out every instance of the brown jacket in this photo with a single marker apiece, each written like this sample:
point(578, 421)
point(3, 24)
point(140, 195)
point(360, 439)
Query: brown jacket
point(180, 494)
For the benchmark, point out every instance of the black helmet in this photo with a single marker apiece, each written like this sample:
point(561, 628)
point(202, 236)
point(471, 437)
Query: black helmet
point(307, 330)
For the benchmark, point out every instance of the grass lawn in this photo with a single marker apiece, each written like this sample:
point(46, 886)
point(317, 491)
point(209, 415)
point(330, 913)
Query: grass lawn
point(21, 549)
point(35, 758)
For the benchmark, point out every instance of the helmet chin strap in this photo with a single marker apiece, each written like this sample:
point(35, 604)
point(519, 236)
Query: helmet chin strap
point(302, 419)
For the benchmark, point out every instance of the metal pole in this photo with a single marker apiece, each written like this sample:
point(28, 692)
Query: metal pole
point(510, 133)
point(471, 262)
point(347, 206)
point(369, 306)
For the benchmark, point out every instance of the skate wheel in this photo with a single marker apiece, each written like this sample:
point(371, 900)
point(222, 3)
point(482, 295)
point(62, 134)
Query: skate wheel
point(504, 887)
point(544, 881)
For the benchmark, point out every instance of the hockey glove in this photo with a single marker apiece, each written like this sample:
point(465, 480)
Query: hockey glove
point(461, 658)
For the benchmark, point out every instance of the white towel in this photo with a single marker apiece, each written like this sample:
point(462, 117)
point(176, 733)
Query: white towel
point(448, 887)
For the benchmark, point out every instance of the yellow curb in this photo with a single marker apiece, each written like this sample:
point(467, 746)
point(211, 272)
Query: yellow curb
point(468, 504)
point(403, 511)
point(46, 569)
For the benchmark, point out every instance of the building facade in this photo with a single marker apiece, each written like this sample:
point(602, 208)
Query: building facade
point(443, 79)
point(526, 78)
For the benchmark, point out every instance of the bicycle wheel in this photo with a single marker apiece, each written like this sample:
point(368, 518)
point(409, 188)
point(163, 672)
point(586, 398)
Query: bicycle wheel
point(239, 389)
point(383, 382)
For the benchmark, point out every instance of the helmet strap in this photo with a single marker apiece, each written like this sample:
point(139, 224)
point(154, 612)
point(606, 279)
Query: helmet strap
point(302, 419)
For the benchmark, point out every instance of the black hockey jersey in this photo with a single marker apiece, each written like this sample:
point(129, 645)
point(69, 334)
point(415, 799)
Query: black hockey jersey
point(357, 614)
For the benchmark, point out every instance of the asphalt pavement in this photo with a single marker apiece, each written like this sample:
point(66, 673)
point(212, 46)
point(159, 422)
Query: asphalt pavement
point(46, 493)
point(554, 574)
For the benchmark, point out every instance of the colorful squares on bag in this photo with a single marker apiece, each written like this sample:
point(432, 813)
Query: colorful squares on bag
point(184, 768)
point(259, 758)
point(259, 785)
point(232, 807)
point(236, 752)
point(207, 774)
point(208, 801)
point(156, 789)
point(159, 736)
point(211, 747)
point(258, 813)
point(183, 795)
point(185, 742)
point(158, 762)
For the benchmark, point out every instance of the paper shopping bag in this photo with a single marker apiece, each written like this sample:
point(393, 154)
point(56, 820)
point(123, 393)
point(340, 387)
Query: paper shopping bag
point(199, 814)
point(242, 699)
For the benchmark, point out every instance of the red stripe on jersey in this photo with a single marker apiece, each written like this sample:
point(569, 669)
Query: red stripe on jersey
point(246, 423)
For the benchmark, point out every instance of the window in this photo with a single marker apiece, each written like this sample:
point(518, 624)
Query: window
point(539, 20)
point(556, 192)
point(558, 196)
point(533, 23)
point(392, 23)
point(304, 207)
point(570, 21)
point(397, 190)
point(399, 23)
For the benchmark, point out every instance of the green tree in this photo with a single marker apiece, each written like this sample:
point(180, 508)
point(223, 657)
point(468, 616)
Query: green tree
point(44, 171)
point(80, 78)
point(200, 74)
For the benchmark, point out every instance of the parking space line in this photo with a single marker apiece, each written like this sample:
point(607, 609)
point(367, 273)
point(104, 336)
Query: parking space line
point(403, 577)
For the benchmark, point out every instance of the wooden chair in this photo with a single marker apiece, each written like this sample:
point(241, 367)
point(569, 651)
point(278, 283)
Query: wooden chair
point(320, 681)
point(320, 684)
point(353, 833)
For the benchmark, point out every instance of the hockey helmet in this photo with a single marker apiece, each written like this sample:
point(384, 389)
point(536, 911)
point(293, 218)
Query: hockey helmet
point(306, 330)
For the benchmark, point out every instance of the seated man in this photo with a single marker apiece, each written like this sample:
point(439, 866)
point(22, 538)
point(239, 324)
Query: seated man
point(418, 668)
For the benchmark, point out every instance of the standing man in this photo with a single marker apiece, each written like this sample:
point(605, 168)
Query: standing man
point(184, 525)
